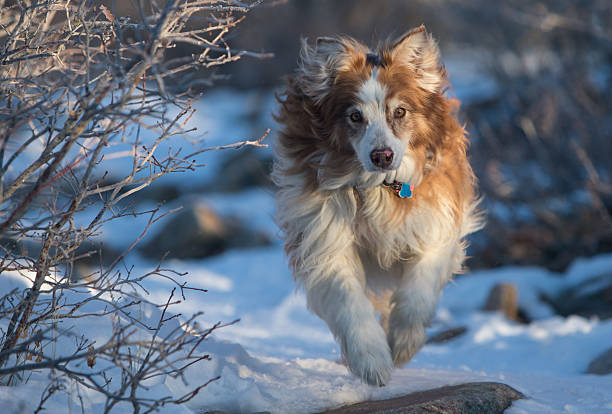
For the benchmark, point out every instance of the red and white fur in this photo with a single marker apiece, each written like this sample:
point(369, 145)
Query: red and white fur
point(358, 249)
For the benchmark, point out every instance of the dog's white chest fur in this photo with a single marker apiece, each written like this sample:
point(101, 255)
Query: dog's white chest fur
point(407, 238)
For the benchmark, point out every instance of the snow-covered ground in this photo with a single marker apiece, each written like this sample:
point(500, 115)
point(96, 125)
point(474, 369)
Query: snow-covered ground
point(281, 358)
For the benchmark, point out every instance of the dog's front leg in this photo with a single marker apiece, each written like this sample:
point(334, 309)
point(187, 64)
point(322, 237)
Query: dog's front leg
point(413, 305)
point(335, 292)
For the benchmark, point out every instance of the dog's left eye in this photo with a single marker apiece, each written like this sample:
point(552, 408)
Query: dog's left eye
point(399, 112)
point(356, 116)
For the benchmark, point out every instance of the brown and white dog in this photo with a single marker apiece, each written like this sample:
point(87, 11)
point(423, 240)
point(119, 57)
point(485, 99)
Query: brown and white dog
point(358, 126)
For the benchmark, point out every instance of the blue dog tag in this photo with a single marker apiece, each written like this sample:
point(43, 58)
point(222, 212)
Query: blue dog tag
point(405, 191)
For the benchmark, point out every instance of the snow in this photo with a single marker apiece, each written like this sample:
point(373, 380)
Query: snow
point(281, 358)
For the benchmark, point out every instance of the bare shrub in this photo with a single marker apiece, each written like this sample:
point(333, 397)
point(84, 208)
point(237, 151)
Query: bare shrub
point(81, 85)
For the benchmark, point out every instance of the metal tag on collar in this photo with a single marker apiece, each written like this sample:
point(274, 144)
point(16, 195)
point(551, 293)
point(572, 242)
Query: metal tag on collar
point(405, 190)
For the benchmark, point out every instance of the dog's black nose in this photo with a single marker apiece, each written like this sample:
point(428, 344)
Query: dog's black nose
point(382, 158)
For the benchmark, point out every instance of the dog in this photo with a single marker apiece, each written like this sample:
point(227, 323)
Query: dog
point(375, 192)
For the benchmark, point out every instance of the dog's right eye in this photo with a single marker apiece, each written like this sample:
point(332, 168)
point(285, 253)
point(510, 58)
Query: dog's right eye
point(356, 117)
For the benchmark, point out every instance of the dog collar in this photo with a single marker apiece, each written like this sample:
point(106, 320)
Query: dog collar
point(402, 190)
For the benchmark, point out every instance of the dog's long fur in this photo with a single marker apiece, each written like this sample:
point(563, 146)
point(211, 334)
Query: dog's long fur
point(357, 248)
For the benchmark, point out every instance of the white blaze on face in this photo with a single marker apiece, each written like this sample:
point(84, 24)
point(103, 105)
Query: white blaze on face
point(378, 135)
point(373, 95)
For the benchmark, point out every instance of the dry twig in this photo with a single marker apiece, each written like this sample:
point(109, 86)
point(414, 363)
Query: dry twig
point(79, 85)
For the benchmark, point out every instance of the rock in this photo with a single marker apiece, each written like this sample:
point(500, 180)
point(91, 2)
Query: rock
point(158, 192)
point(94, 253)
point(85, 259)
point(197, 231)
point(602, 365)
point(592, 297)
point(91, 256)
point(447, 335)
point(248, 167)
point(504, 298)
point(471, 398)
point(23, 247)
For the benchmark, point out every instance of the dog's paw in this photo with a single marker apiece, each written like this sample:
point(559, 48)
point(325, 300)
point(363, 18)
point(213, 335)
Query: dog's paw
point(369, 358)
point(405, 342)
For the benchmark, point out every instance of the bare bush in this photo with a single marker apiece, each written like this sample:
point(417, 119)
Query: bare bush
point(81, 85)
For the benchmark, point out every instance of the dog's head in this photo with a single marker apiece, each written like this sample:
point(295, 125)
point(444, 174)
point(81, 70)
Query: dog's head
point(380, 107)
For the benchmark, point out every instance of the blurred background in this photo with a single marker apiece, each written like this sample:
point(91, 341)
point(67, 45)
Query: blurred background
point(534, 78)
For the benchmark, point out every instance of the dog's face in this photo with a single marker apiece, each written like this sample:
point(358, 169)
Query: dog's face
point(374, 105)
point(377, 125)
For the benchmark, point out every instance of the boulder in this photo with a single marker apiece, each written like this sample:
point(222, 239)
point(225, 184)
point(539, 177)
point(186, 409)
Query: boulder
point(247, 168)
point(85, 259)
point(503, 298)
point(592, 297)
point(602, 365)
point(90, 257)
point(447, 335)
point(470, 398)
point(158, 192)
point(197, 231)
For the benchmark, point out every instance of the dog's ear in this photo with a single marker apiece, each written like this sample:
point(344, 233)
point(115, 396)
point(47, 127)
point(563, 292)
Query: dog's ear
point(326, 42)
point(419, 51)
point(318, 65)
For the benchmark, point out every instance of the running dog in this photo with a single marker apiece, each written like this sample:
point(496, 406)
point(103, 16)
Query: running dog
point(375, 192)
